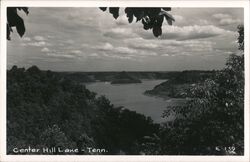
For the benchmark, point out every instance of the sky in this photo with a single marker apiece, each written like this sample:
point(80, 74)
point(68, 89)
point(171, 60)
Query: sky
point(88, 39)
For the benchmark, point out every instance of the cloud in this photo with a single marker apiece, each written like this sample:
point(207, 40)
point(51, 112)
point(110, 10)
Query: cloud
point(144, 46)
point(225, 19)
point(203, 22)
point(173, 47)
point(39, 38)
point(50, 36)
point(27, 39)
point(45, 49)
point(76, 52)
point(221, 16)
point(124, 50)
point(193, 46)
point(117, 50)
point(106, 46)
point(85, 45)
point(63, 56)
point(145, 53)
point(122, 20)
point(37, 44)
point(120, 33)
point(140, 43)
point(94, 55)
point(191, 32)
point(156, 47)
point(178, 18)
point(165, 54)
point(119, 57)
point(69, 41)
point(229, 21)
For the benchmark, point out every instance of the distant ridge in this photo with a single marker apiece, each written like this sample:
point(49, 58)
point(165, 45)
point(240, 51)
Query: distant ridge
point(124, 78)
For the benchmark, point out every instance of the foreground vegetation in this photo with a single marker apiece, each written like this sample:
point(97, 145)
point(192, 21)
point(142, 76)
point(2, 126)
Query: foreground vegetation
point(212, 122)
point(45, 110)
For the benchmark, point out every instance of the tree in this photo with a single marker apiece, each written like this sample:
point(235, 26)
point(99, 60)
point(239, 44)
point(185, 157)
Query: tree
point(55, 137)
point(212, 122)
point(241, 37)
point(54, 111)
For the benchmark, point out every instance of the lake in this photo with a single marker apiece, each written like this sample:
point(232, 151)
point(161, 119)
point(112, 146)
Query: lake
point(131, 97)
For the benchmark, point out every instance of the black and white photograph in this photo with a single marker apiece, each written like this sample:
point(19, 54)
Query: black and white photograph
point(116, 80)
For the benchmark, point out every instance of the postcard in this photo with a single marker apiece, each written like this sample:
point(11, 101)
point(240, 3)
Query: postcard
point(124, 80)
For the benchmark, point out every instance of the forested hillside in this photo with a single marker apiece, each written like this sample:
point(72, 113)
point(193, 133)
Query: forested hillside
point(124, 78)
point(46, 110)
point(110, 76)
point(179, 85)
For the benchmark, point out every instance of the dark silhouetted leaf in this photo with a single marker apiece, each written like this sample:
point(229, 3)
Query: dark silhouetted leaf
point(153, 12)
point(114, 11)
point(8, 32)
point(159, 20)
point(130, 15)
point(103, 8)
point(169, 22)
point(138, 13)
point(25, 9)
point(14, 20)
point(130, 18)
point(168, 17)
point(20, 26)
point(157, 31)
point(11, 16)
point(167, 8)
point(145, 24)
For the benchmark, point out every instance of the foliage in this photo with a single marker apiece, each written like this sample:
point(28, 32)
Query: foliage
point(14, 20)
point(55, 138)
point(151, 18)
point(241, 37)
point(213, 121)
point(45, 109)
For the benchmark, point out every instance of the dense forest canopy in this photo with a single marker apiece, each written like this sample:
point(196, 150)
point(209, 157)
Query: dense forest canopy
point(46, 110)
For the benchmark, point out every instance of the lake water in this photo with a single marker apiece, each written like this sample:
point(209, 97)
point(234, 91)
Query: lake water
point(131, 97)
